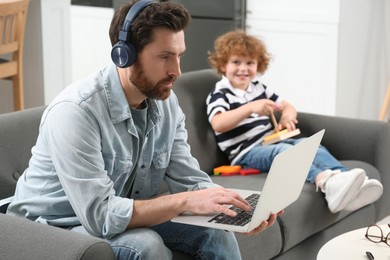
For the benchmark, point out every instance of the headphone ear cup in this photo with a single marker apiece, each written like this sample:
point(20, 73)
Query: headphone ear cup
point(123, 54)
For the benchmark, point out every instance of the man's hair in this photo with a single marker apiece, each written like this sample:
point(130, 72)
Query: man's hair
point(238, 43)
point(168, 15)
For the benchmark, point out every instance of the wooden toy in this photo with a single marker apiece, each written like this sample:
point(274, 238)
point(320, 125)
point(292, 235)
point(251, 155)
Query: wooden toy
point(279, 135)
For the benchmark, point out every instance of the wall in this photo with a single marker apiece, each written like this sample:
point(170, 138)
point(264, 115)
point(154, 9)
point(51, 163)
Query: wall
point(329, 56)
point(91, 47)
point(302, 39)
point(364, 57)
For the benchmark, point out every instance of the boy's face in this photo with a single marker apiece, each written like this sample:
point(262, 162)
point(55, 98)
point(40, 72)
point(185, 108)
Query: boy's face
point(240, 70)
point(158, 65)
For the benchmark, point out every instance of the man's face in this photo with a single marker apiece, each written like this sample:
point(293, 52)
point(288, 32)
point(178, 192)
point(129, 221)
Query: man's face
point(158, 65)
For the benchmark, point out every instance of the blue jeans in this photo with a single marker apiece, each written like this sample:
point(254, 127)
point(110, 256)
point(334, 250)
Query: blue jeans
point(260, 157)
point(158, 241)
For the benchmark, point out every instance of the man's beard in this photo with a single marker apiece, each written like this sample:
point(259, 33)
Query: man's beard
point(146, 86)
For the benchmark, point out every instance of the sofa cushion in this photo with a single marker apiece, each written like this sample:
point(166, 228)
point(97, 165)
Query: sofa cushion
point(19, 234)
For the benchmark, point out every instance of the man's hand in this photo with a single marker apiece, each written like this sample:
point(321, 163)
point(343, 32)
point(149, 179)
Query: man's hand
point(208, 201)
point(213, 200)
point(265, 224)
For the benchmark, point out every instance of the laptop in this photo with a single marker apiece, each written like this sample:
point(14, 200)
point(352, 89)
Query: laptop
point(282, 187)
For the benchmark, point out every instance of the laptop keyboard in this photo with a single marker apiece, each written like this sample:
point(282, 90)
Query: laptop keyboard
point(242, 217)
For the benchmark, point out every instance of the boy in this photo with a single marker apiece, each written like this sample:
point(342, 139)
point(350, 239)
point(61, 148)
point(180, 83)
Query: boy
point(239, 109)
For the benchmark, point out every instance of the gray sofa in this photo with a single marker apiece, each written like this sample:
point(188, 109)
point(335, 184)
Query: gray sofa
point(306, 225)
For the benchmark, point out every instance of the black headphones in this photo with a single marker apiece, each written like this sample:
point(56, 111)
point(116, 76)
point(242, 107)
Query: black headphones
point(124, 53)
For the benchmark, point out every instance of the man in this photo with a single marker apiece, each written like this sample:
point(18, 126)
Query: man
point(108, 142)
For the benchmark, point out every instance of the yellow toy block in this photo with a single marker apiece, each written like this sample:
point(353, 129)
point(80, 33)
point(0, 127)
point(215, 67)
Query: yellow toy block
point(275, 135)
point(279, 136)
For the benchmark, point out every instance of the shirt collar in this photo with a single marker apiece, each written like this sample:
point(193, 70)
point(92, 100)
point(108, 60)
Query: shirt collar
point(118, 106)
point(238, 92)
point(117, 103)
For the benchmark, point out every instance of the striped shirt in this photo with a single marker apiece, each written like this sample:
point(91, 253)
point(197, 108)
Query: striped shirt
point(249, 132)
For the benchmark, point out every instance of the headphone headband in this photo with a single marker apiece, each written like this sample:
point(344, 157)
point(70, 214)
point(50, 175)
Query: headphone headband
point(131, 15)
point(124, 53)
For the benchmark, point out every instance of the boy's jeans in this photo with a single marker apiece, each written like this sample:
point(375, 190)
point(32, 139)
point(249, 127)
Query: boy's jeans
point(261, 156)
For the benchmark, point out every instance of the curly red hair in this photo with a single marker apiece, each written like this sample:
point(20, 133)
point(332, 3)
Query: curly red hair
point(238, 43)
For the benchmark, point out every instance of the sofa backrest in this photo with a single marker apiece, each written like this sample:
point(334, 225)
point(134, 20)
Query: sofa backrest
point(18, 134)
point(192, 89)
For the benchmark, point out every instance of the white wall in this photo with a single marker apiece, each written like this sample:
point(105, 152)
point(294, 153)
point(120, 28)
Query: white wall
point(363, 68)
point(329, 56)
point(91, 45)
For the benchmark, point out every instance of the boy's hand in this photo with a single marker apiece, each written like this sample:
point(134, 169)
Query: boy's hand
point(289, 123)
point(288, 117)
point(263, 107)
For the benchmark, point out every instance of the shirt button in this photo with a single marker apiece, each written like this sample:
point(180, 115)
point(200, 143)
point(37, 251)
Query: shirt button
point(142, 166)
point(136, 192)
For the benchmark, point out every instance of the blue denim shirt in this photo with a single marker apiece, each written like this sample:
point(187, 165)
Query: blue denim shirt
point(83, 164)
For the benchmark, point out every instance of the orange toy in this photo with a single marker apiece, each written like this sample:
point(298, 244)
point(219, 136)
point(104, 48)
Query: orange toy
point(227, 170)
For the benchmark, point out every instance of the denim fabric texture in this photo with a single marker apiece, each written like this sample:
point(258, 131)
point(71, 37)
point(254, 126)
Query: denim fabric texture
point(199, 242)
point(261, 157)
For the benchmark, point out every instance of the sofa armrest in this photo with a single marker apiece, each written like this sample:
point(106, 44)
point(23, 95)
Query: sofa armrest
point(18, 132)
point(355, 139)
point(25, 239)
point(348, 138)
